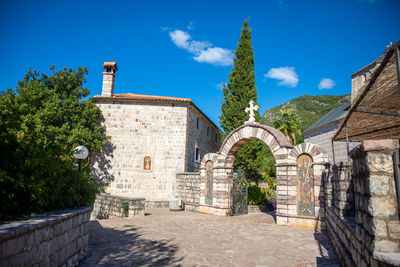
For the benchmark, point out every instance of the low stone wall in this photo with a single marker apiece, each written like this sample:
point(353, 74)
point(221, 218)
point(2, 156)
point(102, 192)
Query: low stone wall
point(343, 189)
point(108, 207)
point(156, 204)
point(52, 239)
point(188, 188)
point(361, 207)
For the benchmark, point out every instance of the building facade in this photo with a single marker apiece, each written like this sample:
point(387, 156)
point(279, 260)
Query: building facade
point(151, 139)
point(321, 132)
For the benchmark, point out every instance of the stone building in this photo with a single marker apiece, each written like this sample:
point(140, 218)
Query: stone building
point(151, 139)
point(363, 199)
point(321, 132)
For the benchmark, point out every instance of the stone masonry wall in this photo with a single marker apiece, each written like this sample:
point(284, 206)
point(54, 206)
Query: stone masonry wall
point(343, 189)
point(375, 196)
point(108, 207)
point(53, 239)
point(361, 78)
point(137, 130)
point(198, 138)
point(371, 237)
point(188, 188)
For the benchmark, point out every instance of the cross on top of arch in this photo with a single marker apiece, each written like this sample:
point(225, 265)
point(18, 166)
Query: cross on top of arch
point(251, 110)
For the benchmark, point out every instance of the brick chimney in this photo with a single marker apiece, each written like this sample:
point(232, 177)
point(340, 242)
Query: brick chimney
point(110, 68)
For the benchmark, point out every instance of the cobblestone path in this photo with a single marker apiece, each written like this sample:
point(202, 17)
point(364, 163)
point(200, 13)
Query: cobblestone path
point(164, 238)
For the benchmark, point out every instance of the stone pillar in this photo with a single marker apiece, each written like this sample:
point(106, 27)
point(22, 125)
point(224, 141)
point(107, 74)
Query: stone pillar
point(319, 194)
point(109, 78)
point(375, 195)
point(284, 201)
point(343, 189)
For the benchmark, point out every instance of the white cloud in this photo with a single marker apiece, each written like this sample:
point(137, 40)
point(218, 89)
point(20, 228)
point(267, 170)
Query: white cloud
point(215, 55)
point(326, 83)
point(180, 38)
point(203, 51)
point(286, 75)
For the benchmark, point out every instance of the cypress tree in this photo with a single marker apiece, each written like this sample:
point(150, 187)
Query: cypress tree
point(240, 88)
point(238, 91)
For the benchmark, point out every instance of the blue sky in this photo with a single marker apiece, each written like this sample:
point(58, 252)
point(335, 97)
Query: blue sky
point(182, 48)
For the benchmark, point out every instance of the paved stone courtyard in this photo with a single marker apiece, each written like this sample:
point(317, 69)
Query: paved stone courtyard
point(164, 238)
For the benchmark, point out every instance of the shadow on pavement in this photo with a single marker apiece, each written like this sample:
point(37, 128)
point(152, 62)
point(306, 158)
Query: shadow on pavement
point(111, 247)
point(328, 256)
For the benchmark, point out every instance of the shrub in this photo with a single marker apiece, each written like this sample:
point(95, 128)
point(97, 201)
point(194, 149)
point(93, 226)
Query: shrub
point(256, 195)
point(41, 122)
point(125, 207)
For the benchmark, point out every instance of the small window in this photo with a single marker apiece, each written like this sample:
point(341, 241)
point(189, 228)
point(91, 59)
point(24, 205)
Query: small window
point(197, 123)
point(147, 163)
point(208, 131)
point(197, 154)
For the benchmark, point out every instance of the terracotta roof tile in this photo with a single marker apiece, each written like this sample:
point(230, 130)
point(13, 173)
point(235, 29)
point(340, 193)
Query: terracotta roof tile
point(129, 96)
point(112, 63)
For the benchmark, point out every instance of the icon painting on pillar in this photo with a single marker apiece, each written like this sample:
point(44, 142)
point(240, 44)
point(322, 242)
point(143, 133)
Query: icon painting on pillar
point(305, 186)
point(147, 163)
point(209, 183)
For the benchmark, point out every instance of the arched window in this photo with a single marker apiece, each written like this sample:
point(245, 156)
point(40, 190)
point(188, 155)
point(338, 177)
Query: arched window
point(147, 163)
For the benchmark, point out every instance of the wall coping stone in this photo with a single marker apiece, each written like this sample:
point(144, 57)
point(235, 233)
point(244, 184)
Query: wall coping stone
point(391, 258)
point(188, 173)
point(14, 229)
point(377, 145)
point(122, 197)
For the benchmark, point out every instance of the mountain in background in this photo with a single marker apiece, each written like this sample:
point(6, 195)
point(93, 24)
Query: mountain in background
point(309, 108)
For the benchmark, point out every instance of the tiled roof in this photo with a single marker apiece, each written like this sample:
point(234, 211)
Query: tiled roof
point(113, 63)
point(129, 96)
point(333, 115)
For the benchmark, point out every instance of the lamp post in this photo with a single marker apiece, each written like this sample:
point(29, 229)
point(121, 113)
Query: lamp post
point(80, 153)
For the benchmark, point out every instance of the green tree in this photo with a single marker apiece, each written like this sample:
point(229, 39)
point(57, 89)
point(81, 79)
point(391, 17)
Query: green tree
point(41, 122)
point(241, 86)
point(289, 124)
point(238, 92)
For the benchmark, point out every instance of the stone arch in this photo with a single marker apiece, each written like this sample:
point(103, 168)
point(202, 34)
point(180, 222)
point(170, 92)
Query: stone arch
point(288, 191)
point(318, 154)
point(223, 162)
point(274, 139)
point(286, 174)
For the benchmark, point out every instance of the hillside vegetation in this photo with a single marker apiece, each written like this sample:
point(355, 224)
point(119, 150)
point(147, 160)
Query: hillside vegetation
point(308, 108)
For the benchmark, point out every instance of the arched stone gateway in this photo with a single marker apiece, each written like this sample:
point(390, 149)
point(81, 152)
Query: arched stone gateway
point(299, 186)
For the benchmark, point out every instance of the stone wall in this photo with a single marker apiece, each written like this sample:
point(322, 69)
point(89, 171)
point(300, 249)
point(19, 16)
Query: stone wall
point(362, 77)
point(343, 189)
point(53, 239)
point(198, 138)
point(322, 138)
point(165, 132)
point(137, 130)
point(108, 207)
point(157, 204)
point(188, 189)
point(288, 187)
point(369, 234)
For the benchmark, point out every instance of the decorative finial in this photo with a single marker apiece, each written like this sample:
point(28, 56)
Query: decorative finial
point(251, 110)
